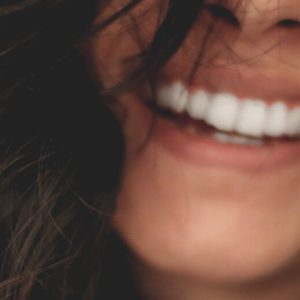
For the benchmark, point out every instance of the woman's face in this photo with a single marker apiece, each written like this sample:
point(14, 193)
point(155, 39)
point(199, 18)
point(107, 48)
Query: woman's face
point(206, 204)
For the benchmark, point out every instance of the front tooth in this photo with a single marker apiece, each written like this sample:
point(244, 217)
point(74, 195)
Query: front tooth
point(276, 121)
point(198, 105)
point(174, 97)
point(293, 122)
point(251, 118)
point(222, 112)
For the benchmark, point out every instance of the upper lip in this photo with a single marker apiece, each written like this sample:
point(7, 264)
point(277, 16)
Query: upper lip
point(248, 83)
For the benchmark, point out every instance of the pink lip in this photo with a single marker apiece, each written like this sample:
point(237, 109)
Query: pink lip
point(204, 151)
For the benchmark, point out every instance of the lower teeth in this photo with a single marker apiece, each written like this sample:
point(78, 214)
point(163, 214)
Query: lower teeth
point(236, 139)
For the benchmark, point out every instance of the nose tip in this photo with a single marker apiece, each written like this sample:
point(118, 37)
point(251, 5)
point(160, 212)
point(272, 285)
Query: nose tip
point(256, 16)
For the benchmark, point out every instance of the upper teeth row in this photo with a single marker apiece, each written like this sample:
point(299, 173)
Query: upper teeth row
point(227, 113)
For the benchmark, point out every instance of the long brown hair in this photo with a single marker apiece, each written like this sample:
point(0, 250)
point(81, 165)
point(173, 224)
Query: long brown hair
point(61, 150)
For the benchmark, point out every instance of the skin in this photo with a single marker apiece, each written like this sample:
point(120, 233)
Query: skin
point(204, 232)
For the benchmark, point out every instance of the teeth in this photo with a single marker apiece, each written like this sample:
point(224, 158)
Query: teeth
point(227, 113)
point(222, 112)
point(174, 97)
point(276, 120)
point(293, 122)
point(251, 118)
point(198, 104)
point(237, 139)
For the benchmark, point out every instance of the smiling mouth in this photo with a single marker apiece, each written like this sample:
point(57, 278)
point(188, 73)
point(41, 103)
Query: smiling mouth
point(228, 119)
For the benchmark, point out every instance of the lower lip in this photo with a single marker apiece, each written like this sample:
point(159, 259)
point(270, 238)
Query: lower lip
point(204, 150)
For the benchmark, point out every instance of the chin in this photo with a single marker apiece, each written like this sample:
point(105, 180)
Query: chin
point(208, 237)
point(213, 245)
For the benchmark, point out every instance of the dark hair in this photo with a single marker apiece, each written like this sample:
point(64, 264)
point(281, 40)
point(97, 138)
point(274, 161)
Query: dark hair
point(61, 150)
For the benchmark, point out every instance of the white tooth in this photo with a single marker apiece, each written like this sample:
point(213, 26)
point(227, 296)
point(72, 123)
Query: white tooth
point(222, 112)
point(276, 120)
point(174, 97)
point(293, 122)
point(198, 105)
point(225, 112)
point(251, 118)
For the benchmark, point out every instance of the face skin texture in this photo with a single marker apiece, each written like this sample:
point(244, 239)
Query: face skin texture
point(205, 231)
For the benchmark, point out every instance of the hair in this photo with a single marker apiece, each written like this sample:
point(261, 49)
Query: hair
point(61, 149)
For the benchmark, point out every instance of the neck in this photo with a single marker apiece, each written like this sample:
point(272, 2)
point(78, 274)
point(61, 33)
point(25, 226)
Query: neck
point(156, 285)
